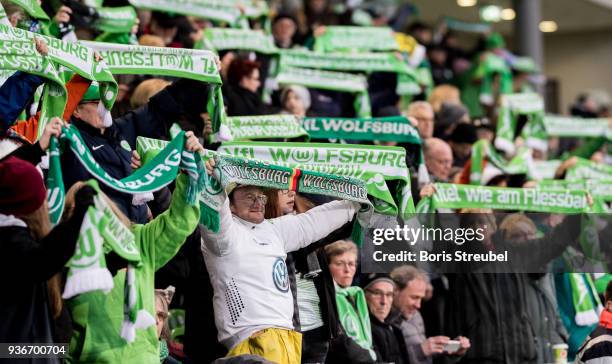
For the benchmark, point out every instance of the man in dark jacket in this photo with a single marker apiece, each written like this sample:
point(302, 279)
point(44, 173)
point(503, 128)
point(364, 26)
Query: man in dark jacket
point(597, 348)
point(388, 340)
point(112, 145)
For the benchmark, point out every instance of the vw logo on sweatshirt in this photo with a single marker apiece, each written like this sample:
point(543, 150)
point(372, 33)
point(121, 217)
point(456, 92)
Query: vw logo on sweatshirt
point(280, 276)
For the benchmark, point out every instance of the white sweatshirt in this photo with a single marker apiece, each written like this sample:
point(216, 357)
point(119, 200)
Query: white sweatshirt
point(246, 263)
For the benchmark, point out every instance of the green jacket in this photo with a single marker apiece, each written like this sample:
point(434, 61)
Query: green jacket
point(97, 317)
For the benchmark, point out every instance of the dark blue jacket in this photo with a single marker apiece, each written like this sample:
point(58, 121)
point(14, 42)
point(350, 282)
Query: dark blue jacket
point(152, 120)
point(15, 94)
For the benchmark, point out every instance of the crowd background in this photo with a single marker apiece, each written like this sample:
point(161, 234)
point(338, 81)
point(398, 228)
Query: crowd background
point(407, 316)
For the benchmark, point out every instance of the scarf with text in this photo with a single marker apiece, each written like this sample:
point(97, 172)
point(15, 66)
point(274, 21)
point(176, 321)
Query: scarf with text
point(372, 164)
point(154, 175)
point(103, 232)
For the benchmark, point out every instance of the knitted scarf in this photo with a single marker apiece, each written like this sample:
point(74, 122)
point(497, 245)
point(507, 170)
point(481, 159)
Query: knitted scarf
point(362, 62)
point(356, 39)
point(511, 107)
point(176, 62)
point(393, 128)
point(372, 164)
point(329, 80)
point(151, 177)
point(220, 11)
point(101, 233)
point(116, 20)
point(585, 299)
point(221, 39)
point(266, 127)
point(74, 58)
point(563, 126)
point(483, 150)
point(453, 196)
point(354, 316)
point(486, 71)
point(231, 171)
point(586, 169)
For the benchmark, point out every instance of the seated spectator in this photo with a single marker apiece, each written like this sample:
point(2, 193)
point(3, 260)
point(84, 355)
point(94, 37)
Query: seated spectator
point(597, 348)
point(295, 99)
point(423, 113)
point(351, 302)
point(388, 340)
point(412, 286)
point(438, 159)
point(241, 89)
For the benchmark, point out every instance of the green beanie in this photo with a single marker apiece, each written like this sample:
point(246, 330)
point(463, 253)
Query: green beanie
point(92, 94)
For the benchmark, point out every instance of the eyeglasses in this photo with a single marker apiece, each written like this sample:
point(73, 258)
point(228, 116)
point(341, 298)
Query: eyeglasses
point(286, 192)
point(252, 198)
point(379, 293)
point(340, 264)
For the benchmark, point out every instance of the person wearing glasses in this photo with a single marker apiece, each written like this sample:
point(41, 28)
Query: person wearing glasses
point(253, 303)
point(387, 338)
point(351, 304)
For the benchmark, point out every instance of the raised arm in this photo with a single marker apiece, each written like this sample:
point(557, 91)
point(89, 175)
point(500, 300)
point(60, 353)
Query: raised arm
point(297, 231)
point(163, 237)
point(220, 243)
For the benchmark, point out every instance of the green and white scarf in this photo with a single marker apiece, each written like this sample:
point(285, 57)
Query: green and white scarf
point(124, 59)
point(463, 26)
point(356, 39)
point(483, 150)
point(585, 299)
point(74, 58)
point(455, 196)
point(266, 127)
point(511, 107)
point(116, 20)
point(231, 171)
point(486, 71)
point(152, 176)
point(372, 164)
point(101, 233)
point(216, 10)
point(600, 188)
point(586, 169)
point(21, 55)
point(572, 127)
point(393, 128)
point(355, 319)
point(544, 169)
point(329, 80)
point(364, 62)
point(220, 39)
point(408, 78)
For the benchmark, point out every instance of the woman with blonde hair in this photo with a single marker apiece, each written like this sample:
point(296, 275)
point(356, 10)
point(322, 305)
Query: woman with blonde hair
point(97, 317)
point(32, 253)
point(145, 90)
